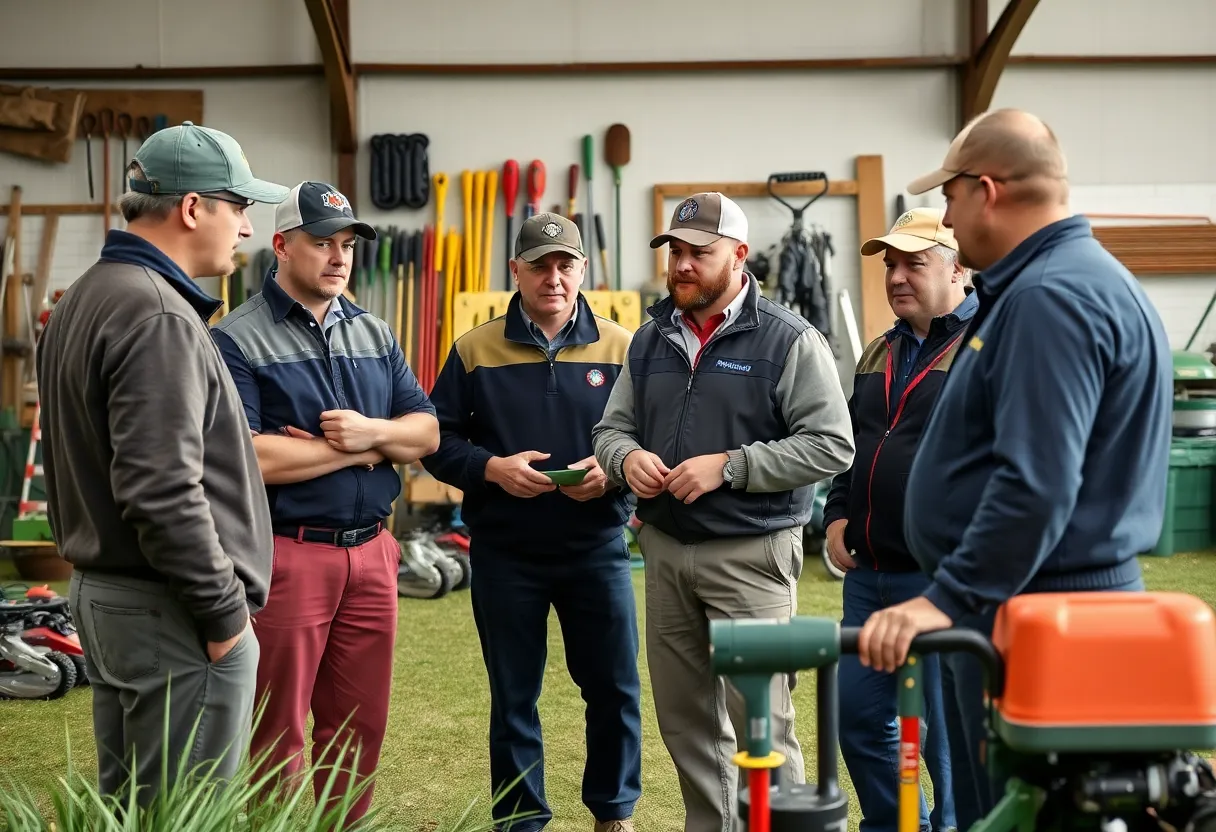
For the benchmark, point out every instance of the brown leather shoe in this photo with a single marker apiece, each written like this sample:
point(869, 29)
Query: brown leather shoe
point(614, 826)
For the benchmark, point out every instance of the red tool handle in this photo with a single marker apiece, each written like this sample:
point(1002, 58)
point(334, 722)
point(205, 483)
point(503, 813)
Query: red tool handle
point(757, 788)
point(572, 183)
point(510, 185)
point(536, 183)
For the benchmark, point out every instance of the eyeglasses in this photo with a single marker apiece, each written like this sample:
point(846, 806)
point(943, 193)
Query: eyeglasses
point(228, 196)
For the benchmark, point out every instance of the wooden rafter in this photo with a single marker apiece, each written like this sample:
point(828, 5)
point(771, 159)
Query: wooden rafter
point(330, 21)
point(981, 73)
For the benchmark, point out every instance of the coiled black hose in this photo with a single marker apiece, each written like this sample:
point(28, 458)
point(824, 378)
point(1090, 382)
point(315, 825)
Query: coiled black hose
point(400, 171)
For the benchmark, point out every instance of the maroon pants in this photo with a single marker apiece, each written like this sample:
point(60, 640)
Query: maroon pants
point(327, 635)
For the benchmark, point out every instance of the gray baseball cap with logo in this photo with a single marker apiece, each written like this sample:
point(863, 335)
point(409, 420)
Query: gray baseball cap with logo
point(189, 158)
point(546, 233)
point(703, 219)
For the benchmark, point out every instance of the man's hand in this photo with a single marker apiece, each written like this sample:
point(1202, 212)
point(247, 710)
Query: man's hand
point(595, 484)
point(644, 472)
point(370, 458)
point(351, 432)
point(694, 477)
point(516, 476)
point(886, 636)
point(216, 650)
point(838, 554)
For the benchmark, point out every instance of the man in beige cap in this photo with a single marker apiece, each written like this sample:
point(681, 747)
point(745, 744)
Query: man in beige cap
point(897, 382)
point(731, 411)
point(1044, 465)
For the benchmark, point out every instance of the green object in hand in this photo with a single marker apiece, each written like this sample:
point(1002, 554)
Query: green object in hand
point(567, 476)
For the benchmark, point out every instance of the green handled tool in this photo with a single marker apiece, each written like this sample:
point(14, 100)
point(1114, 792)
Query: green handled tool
point(588, 164)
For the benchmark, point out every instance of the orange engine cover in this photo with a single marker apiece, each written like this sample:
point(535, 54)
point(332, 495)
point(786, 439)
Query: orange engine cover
point(1082, 659)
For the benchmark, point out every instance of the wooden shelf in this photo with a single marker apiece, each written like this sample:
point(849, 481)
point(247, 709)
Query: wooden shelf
point(1161, 249)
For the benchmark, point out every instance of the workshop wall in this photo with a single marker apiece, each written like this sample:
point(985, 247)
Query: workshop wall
point(1141, 139)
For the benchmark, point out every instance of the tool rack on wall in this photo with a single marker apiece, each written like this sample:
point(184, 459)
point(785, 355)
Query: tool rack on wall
point(866, 187)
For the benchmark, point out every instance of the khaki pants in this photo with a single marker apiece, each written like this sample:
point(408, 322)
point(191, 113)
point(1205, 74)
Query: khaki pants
point(699, 714)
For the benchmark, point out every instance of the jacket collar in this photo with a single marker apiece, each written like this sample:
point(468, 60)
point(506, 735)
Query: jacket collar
point(282, 303)
point(585, 331)
point(996, 279)
point(748, 317)
point(125, 247)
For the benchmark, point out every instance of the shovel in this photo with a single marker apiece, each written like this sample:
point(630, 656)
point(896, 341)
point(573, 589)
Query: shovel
point(616, 153)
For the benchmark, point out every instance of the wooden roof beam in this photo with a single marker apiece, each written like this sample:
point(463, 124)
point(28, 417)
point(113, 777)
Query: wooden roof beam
point(981, 73)
point(331, 22)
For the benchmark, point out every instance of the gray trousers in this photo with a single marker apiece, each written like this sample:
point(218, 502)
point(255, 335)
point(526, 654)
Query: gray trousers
point(145, 656)
point(701, 715)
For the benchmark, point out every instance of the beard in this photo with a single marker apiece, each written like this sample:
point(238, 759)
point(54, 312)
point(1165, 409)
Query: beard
point(706, 293)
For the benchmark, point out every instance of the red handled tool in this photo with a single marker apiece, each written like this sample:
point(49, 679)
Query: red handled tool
point(510, 191)
point(536, 186)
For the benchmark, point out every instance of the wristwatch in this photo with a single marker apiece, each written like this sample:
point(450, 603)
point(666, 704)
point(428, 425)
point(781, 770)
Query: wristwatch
point(727, 475)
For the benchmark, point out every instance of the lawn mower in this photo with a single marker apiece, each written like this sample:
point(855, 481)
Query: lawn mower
point(1096, 704)
point(40, 653)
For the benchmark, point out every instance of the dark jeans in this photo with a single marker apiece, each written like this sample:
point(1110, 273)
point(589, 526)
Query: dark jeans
point(975, 792)
point(869, 729)
point(592, 593)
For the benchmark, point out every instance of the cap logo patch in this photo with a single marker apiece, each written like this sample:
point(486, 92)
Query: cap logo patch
point(551, 230)
point(335, 200)
point(904, 220)
point(688, 210)
point(595, 378)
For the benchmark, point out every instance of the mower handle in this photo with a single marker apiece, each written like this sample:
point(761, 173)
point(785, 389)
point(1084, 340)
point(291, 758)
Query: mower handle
point(952, 640)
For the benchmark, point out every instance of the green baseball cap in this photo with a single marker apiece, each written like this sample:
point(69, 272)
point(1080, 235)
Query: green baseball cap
point(193, 159)
point(546, 233)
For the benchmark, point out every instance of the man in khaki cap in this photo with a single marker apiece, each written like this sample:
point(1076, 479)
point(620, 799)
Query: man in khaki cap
point(897, 382)
point(731, 412)
point(518, 396)
point(1044, 465)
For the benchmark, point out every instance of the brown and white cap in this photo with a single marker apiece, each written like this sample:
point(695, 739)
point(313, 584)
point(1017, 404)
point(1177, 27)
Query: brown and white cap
point(546, 233)
point(703, 219)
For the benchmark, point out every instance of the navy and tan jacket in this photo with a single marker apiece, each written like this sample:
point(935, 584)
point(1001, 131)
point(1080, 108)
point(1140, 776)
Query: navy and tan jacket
point(894, 391)
point(501, 393)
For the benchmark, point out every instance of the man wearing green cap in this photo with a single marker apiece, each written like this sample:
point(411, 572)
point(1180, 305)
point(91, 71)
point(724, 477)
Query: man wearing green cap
point(546, 368)
point(153, 488)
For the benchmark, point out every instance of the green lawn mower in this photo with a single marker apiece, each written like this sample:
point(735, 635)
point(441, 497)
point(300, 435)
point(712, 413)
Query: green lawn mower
point(1097, 703)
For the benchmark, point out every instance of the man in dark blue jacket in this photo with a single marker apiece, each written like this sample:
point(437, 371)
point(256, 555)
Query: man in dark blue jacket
point(897, 381)
point(519, 395)
point(1044, 465)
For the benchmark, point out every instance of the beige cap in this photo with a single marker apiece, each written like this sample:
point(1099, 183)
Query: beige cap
point(703, 219)
point(958, 159)
point(915, 230)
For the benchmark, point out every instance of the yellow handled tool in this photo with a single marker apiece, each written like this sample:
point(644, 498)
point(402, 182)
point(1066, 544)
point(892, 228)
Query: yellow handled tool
point(466, 187)
point(441, 199)
point(449, 300)
point(491, 201)
point(479, 204)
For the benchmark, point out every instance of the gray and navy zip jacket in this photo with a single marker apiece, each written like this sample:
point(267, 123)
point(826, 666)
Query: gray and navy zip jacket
point(765, 391)
point(502, 392)
point(896, 384)
point(289, 370)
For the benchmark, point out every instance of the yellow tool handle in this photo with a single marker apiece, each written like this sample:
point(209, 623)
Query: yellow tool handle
point(441, 198)
point(449, 300)
point(466, 186)
point(409, 317)
point(491, 201)
point(473, 278)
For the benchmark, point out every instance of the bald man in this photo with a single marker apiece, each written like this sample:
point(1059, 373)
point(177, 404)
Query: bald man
point(1044, 465)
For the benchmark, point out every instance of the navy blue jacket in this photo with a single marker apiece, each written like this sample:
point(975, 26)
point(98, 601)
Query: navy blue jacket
point(1044, 465)
point(289, 372)
point(894, 389)
point(500, 394)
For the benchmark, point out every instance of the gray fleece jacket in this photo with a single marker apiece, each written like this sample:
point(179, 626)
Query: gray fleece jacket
point(764, 390)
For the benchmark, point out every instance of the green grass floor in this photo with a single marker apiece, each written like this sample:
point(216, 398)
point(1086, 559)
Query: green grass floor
point(435, 763)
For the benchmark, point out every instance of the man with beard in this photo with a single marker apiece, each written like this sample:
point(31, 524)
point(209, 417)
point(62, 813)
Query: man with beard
point(332, 407)
point(731, 410)
point(1044, 465)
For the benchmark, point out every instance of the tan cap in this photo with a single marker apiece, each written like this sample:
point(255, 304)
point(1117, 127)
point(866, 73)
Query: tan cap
point(546, 233)
point(957, 161)
point(703, 219)
point(915, 230)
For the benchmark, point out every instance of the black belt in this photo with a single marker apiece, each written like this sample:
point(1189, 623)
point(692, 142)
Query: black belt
point(335, 537)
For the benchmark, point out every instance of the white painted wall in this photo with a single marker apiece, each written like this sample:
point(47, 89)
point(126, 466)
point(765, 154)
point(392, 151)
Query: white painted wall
point(1139, 139)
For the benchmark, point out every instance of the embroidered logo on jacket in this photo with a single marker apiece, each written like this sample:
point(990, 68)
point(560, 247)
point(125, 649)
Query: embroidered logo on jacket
point(595, 378)
point(723, 364)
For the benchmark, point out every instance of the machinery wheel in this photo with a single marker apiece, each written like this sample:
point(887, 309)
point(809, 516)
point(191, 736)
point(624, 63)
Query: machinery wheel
point(67, 674)
point(466, 569)
point(82, 672)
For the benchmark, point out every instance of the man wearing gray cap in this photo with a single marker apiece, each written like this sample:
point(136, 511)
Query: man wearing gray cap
point(731, 411)
point(153, 489)
point(542, 540)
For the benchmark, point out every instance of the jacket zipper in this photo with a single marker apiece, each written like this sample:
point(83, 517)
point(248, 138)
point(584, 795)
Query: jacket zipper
point(894, 421)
